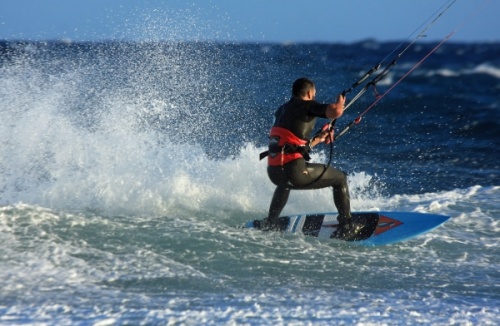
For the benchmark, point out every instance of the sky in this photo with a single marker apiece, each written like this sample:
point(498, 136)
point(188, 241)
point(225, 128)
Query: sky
point(259, 21)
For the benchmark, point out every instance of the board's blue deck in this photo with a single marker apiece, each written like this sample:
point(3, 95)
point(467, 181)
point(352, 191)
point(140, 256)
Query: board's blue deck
point(392, 226)
point(413, 225)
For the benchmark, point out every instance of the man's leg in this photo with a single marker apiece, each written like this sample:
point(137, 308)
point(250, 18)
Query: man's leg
point(273, 221)
point(341, 198)
point(278, 202)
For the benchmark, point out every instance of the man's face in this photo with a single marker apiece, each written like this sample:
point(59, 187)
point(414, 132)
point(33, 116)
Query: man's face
point(312, 94)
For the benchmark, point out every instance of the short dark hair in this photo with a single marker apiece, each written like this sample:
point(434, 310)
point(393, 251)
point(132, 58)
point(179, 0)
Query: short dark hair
point(301, 86)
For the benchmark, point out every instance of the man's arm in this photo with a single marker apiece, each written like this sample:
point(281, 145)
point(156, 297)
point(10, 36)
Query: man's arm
point(335, 110)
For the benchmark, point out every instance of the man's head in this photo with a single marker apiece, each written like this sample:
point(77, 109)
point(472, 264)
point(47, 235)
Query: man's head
point(304, 88)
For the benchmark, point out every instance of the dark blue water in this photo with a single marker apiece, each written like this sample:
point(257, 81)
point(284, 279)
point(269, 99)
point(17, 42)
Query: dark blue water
point(125, 168)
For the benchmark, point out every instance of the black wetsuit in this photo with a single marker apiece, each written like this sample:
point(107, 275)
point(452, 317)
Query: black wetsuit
point(299, 117)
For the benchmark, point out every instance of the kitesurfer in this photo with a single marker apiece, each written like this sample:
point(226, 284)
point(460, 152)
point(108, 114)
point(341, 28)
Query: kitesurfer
point(289, 145)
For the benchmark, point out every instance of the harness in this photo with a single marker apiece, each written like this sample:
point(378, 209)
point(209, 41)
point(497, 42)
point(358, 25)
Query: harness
point(285, 146)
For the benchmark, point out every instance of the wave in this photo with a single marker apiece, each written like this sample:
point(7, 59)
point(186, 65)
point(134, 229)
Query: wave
point(482, 69)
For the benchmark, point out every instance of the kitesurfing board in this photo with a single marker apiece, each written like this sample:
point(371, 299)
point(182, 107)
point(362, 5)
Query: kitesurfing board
point(381, 228)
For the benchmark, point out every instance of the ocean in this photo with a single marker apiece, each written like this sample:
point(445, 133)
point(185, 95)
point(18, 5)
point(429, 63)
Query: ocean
point(128, 168)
